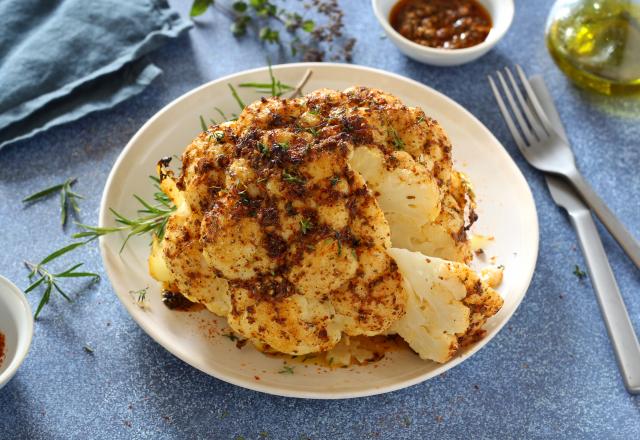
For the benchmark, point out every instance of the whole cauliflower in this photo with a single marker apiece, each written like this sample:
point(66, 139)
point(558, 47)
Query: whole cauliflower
point(286, 218)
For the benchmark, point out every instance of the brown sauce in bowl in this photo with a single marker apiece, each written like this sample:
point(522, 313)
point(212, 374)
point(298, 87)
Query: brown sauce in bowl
point(445, 24)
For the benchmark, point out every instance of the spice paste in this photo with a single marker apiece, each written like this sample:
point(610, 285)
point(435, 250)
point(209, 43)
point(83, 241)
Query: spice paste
point(447, 24)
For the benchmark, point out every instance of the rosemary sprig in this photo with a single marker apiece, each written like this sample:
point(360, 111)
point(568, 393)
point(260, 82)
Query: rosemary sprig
point(235, 95)
point(152, 218)
point(68, 198)
point(51, 281)
point(274, 88)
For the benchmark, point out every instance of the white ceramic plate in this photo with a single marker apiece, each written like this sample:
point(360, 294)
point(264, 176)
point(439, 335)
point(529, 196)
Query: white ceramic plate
point(506, 210)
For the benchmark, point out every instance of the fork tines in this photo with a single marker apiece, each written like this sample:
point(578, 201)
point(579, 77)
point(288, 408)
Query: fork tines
point(532, 126)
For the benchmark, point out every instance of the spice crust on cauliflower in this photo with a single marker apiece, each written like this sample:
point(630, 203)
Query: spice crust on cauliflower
point(286, 219)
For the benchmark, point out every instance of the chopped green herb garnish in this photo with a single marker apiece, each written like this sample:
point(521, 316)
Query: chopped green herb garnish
point(420, 119)
point(231, 337)
point(305, 225)
point(283, 145)
point(579, 273)
point(218, 135)
point(292, 178)
point(286, 369)
point(314, 110)
point(263, 149)
point(140, 295)
point(203, 124)
point(334, 180)
point(398, 143)
point(312, 130)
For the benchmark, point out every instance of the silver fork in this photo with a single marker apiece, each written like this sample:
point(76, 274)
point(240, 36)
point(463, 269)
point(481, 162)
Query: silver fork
point(547, 151)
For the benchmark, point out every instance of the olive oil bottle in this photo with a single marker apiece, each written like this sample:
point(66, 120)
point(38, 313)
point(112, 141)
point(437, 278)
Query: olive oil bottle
point(596, 43)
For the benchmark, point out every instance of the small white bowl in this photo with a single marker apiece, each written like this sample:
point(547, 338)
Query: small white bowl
point(501, 12)
point(16, 322)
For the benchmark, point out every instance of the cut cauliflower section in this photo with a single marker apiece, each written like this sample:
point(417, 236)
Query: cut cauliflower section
point(447, 305)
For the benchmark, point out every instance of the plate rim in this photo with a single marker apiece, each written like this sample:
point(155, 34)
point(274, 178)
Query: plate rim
point(303, 394)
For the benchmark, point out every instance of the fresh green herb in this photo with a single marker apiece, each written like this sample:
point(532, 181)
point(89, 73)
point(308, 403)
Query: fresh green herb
point(218, 135)
point(274, 88)
point(314, 110)
point(151, 218)
point(292, 178)
point(235, 95)
point(68, 198)
point(231, 337)
point(51, 281)
point(222, 114)
point(87, 348)
point(203, 124)
point(279, 25)
point(224, 415)
point(263, 149)
point(339, 245)
point(283, 145)
point(335, 180)
point(200, 6)
point(264, 434)
point(579, 273)
point(314, 131)
point(140, 295)
point(398, 143)
point(420, 119)
point(286, 369)
point(305, 225)
point(406, 421)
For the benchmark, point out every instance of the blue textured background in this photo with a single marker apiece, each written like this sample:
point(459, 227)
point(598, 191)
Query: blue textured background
point(551, 372)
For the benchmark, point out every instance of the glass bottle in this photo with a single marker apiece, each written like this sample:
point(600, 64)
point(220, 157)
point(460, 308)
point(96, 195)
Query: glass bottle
point(596, 43)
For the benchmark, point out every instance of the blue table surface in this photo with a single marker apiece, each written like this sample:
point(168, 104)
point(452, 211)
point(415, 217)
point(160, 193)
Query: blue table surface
point(551, 372)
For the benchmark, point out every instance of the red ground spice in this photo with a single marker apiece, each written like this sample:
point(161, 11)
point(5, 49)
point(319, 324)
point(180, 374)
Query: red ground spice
point(1, 347)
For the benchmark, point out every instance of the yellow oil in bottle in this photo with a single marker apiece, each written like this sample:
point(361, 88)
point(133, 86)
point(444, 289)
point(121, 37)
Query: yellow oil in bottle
point(597, 43)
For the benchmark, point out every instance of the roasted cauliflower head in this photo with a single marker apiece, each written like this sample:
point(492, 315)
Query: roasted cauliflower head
point(286, 218)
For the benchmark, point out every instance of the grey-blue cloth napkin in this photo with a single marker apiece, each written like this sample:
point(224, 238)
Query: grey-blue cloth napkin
point(60, 60)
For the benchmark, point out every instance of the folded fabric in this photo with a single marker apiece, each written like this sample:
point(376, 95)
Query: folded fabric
point(60, 60)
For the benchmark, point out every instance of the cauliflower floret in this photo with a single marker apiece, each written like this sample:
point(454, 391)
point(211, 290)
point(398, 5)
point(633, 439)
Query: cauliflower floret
point(445, 237)
point(447, 305)
point(408, 189)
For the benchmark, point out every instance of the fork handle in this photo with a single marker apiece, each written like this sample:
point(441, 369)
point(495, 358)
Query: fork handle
point(614, 312)
point(608, 218)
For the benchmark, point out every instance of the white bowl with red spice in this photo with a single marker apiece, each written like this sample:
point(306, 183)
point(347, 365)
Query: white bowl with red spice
point(448, 37)
point(16, 329)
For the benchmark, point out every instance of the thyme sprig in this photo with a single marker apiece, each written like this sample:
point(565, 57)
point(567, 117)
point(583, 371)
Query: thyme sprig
point(68, 198)
point(282, 23)
point(50, 280)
